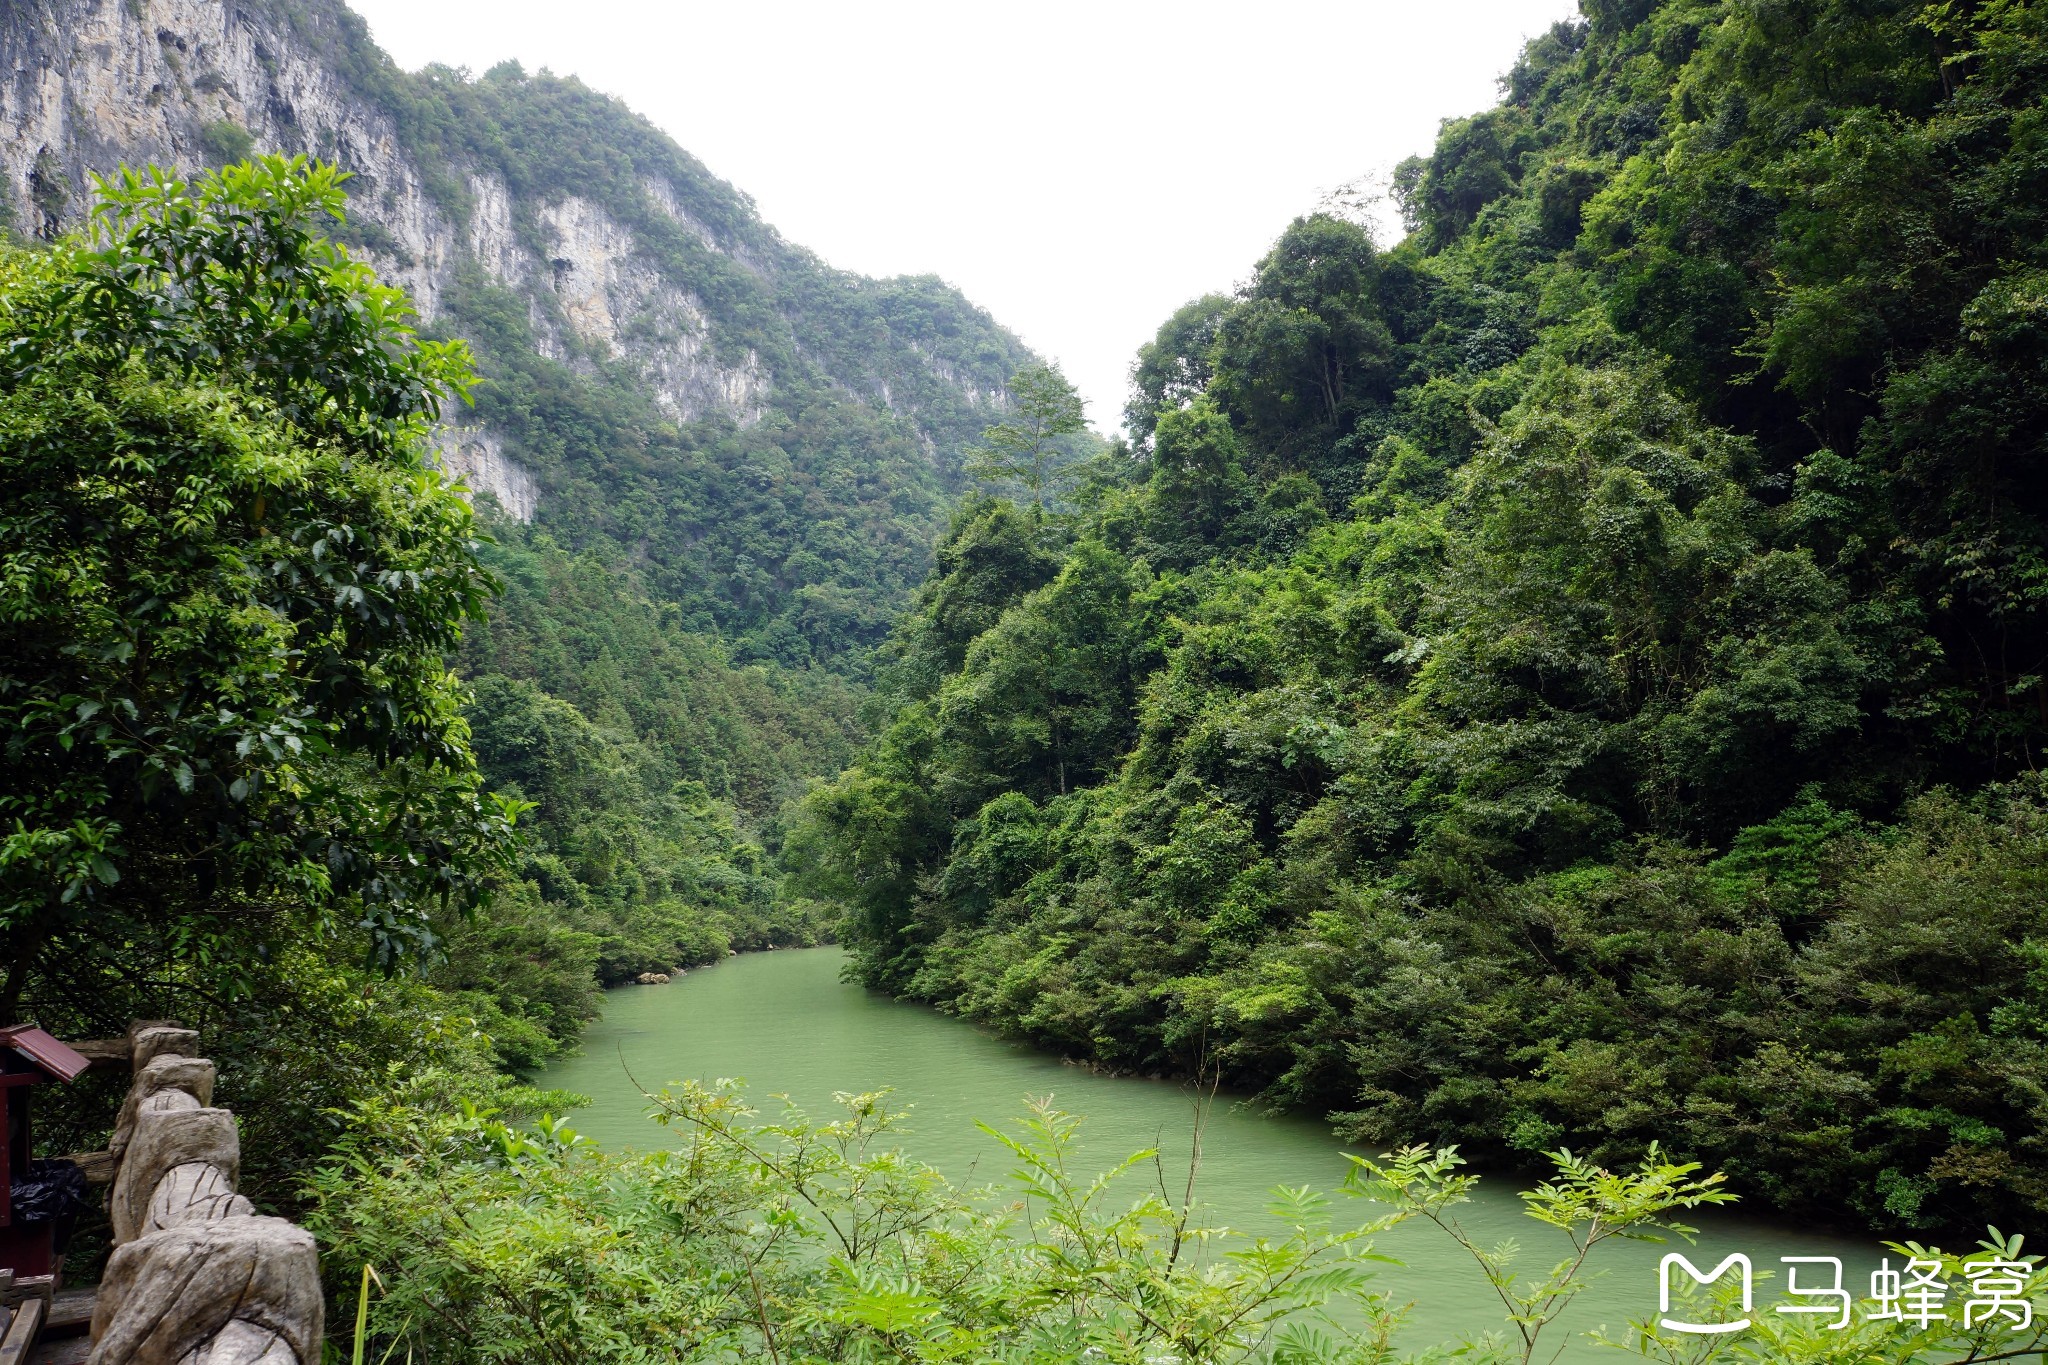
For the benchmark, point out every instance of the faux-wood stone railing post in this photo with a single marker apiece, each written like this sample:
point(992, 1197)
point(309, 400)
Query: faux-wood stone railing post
point(197, 1276)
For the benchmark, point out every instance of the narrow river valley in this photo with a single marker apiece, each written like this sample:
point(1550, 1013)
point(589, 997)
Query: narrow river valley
point(786, 1024)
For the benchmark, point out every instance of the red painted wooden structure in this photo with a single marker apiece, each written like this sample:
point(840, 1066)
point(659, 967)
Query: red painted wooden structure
point(28, 1057)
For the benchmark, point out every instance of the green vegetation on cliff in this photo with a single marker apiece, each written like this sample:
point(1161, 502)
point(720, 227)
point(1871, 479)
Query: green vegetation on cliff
point(792, 522)
point(739, 476)
point(737, 493)
point(1575, 676)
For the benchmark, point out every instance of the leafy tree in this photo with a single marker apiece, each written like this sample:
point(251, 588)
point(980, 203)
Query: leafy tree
point(1044, 699)
point(1198, 484)
point(1030, 448)
point(1307, 345)
point(1175, 366)
point(1474, 164)
point(989, 559)
point(230, 584)
point(1588, 1204)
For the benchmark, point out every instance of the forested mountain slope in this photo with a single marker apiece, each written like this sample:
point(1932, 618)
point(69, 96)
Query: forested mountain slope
point(771, 439)
point(1575, 677)
point(720, 464)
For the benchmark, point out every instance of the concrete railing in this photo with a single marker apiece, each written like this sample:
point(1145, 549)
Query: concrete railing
point(197, 1277)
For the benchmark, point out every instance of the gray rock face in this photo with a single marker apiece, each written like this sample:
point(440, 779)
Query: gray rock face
point(87, 85)
point(476, 456)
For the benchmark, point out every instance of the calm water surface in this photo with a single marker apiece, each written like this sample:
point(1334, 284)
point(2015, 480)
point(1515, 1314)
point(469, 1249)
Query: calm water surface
point(786, 1024)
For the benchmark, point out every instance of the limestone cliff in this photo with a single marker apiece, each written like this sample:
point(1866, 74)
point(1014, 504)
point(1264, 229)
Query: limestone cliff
point(626, 254)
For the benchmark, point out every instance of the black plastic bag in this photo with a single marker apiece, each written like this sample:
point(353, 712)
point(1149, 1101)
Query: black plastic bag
point(51, 1190)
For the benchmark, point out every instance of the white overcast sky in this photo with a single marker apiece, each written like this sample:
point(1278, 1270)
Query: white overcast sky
point(1078, 169)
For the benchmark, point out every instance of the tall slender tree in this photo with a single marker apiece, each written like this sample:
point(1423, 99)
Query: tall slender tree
point(1032, 447)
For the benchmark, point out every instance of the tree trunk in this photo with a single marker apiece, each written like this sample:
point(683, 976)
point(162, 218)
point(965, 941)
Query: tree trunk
point(27, 947)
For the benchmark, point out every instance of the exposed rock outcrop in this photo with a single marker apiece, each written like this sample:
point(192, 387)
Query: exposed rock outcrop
point(680, 294)
point(476, 456)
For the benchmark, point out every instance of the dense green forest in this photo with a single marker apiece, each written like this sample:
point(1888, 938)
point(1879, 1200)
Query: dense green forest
point(1571, 678)
point(238, 780)
point(236, 750)
point(673, 646)
point(685, 630)
point(1574, 676)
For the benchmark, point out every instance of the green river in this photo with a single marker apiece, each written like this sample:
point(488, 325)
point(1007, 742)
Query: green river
point(787, 1025)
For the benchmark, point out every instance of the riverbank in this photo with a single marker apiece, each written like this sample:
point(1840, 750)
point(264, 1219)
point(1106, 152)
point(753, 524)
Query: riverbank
point(787, 1025)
